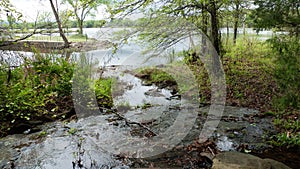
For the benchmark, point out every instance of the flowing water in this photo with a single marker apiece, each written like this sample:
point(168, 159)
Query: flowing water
point(95, 141)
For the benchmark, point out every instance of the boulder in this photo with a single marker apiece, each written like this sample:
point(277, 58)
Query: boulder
point(236, 160)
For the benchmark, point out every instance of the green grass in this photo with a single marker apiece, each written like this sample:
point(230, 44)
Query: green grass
point(256, 79)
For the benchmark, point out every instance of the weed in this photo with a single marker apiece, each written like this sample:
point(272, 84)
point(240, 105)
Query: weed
point(72, 131)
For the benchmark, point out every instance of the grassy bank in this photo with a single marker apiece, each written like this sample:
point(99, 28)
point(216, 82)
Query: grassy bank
point(40, 91)
point(258, 76)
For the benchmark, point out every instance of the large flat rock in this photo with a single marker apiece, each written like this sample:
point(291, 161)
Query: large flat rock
point(236, 160)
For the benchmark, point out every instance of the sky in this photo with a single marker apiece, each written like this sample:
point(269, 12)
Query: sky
point(31, 8)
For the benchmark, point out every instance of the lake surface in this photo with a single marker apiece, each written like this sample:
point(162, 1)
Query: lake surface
point(133, 53)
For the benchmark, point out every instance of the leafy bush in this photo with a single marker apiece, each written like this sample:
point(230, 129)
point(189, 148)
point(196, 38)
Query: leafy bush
point(41, 90)
point(287, 50)
point(156, 76)
point(33, 90)
point(103, 92)
point(250, 49)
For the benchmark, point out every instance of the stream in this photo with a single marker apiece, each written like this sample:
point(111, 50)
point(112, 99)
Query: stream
point(151, 128)
point(99, 140)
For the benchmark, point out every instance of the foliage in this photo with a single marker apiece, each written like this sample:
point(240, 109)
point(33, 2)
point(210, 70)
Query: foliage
point(251, 49)
point(44, 19)
point(94, 23)
point(59, 25)
point(103, 92)
point(289, 126)
point(121, 22)
point(8, 11)
point(82, 8)
point(41, 90)
point(79, 36)
point(157, 77)
point(36, 90)
point(205, 17)
point(249, 70)
point(286, 139)
point(236, 13)
point(280, 14)
point(287, 51)
point(89, 94)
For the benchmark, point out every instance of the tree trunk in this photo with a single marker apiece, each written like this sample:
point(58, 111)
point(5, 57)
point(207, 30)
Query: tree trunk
point(80, 25)
point(244, 25)
point(235, 31)
point(67, 44)
point(236, 22)
point(215, 27)
point(205, 30)
point(227, 32)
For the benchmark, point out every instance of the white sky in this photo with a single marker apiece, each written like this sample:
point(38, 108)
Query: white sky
point(30, 9)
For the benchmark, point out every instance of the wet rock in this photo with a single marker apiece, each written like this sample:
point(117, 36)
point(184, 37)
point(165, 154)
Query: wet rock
point(121, 167)
point(236, 160)
point(58, 148)
point(275, 164)
point(242, 126)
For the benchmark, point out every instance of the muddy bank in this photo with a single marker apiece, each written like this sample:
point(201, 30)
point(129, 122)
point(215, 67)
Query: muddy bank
point(48, 46)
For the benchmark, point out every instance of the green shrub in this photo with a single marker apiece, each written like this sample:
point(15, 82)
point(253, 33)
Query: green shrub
point(249, 48)
point(34, 90)
point(287, 74)
point(41, 90)
point(103, 92)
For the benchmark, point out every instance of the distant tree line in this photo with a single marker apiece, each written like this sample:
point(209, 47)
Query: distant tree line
point(53, 25)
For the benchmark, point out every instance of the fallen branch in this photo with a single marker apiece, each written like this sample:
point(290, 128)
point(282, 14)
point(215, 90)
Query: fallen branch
point(11, 42)
point(8, 43)
point(128, 122)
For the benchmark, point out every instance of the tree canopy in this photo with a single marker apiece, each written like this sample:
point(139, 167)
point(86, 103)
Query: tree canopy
point(83, 8)
point(280, 14)
point(204, 14)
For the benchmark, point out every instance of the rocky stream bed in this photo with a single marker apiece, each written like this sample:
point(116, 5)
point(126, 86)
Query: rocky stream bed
point(145, 112)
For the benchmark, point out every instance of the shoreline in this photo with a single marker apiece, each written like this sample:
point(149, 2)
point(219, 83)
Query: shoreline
point(50, 46)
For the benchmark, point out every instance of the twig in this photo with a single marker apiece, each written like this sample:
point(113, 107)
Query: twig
point(211, 151)
point(128, 122)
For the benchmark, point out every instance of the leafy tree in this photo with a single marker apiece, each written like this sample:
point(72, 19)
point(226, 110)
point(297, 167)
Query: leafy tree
point(203, 13)
point(65, 18)
point(12, 15)
point(45, 19)
point(280, 14)
point(83, 8)
point(238, 9)
point(13, 18)
point(6, 8)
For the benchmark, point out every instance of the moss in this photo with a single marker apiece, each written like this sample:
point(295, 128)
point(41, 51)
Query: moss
point(157, 77)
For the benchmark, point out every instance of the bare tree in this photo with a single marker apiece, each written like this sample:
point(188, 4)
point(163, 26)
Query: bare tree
point(62, 34)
